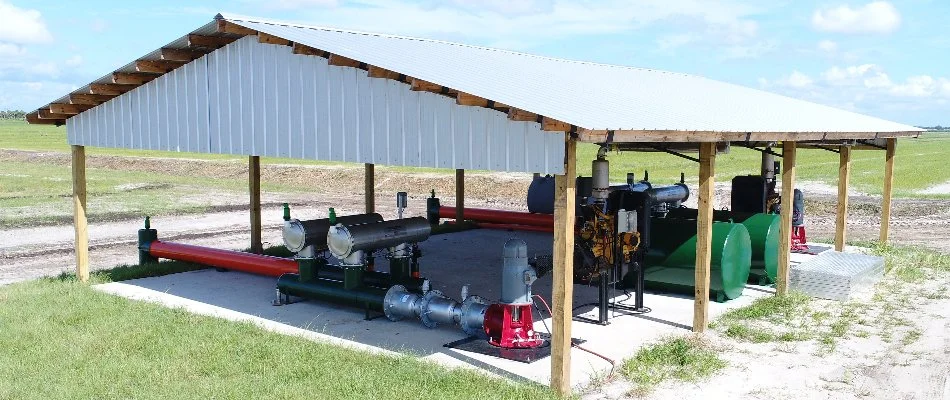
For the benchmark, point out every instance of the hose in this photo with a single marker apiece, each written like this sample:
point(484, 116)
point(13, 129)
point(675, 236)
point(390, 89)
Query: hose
point(613, 364)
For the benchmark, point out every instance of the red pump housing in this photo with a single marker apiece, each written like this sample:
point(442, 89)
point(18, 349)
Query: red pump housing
point(511, 326)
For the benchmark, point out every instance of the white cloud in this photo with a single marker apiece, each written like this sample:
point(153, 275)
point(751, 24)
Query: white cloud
point(11, 50)
point(74, 61)
point(296, 4)
point(874, 17)
point(828, 46)
point(99, 25)
point(22, 26)
point(796, 80)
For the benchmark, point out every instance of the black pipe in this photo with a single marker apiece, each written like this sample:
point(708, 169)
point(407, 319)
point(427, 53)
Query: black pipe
point(370, 298)
point(377, 279)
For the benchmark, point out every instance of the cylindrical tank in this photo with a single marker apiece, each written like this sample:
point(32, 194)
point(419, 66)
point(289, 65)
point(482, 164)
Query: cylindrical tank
point(763, 235)
point(768, 165)
point(541, 195)
point(343, 240)
point(300, 234)
point(600, 172)
point(676, 193)
point(671, 261)
point(516, 275)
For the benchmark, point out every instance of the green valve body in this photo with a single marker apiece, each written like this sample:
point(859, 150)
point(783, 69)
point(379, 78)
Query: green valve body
point(147, 235)
point(671, 261)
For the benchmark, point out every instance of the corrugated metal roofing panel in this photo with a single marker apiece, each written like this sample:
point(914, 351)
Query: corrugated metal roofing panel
point(589, 95)
point(257, 99)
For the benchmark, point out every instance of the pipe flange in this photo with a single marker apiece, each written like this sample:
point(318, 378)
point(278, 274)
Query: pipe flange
point(424, 308)
point(391, 297)
point(474, 325)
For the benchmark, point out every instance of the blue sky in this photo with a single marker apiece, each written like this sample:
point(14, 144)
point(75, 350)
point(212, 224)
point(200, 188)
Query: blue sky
point(884, 58)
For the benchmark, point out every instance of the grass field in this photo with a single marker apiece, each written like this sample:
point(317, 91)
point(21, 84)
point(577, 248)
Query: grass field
point(60, 339)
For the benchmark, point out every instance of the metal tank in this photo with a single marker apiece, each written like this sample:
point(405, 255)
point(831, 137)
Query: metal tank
point(671, 261)
point(299, 234)
point(344, 240)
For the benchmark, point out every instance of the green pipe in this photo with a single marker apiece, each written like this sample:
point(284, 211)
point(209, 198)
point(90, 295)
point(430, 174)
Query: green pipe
point(671, 261)
point(332, 291)
point(763, 233)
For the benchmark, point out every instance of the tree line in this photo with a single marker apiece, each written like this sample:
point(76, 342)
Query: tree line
point(12, 114)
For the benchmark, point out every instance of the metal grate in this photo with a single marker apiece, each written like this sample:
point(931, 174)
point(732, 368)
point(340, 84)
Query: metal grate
point(837, 276)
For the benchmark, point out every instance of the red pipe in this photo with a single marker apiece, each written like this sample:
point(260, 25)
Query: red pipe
point(227, 259)
point(500, 217)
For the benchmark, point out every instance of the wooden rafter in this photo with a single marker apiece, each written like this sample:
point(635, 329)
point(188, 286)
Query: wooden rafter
point(465, 99)
point(340, 61)
point(132, 78)
point(309, 51)
point(377, 72)
point(230, 27)
point(70, 109)
point(34, 119)
point(271, 39)
point(212, 42)
point(109, 88)
point(553, 125)
point(89, 99)
point(517, 114)
point(186, 55)
point(47, 114)
point(157, 66)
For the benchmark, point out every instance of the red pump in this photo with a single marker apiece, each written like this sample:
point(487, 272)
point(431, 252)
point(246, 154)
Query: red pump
point(511, 326)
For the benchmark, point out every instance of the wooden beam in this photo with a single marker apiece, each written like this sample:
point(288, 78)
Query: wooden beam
point(553, 125)
point(230, 27)
point(89, 99)
point(308, 51)
point(377, 72)
point(34, 119)
point(369, 187)
point(562, 291)
point(157, 66)
point(419, 85)
point(109, 88)
point(888, 189)
point(785, 225)
point(70, 109)
point(465, 99)
point(132, 78)
point(704, 221)
point(271, 39)
point(459, 195)
point(517, 114)
point(79, 213)
point(340, 61)
point(211, 42)
point(186, 55)
point(47, 114)
point(641, 136)
point(254, 189)
point(844, 178)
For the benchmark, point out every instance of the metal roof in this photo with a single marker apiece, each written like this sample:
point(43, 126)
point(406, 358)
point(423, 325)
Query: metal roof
point(589, 95)
point(593, 97)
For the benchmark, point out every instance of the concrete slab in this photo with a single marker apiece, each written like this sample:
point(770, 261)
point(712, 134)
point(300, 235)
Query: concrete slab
point(450, 261)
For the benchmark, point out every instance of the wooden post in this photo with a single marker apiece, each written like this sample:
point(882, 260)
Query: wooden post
point(888, 189)
point(707, 177)
point(79, 213)
point(844, 177)
point(785, 231)
point(254, 189)
point(459, 195)
point(562, 291)
point(369, 187)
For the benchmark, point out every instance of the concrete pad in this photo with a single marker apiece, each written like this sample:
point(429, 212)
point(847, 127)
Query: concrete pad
point(450, 261)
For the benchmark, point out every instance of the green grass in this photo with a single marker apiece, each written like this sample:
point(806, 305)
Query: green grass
point(686, 359)
point(927, 169)
point(60, 339)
